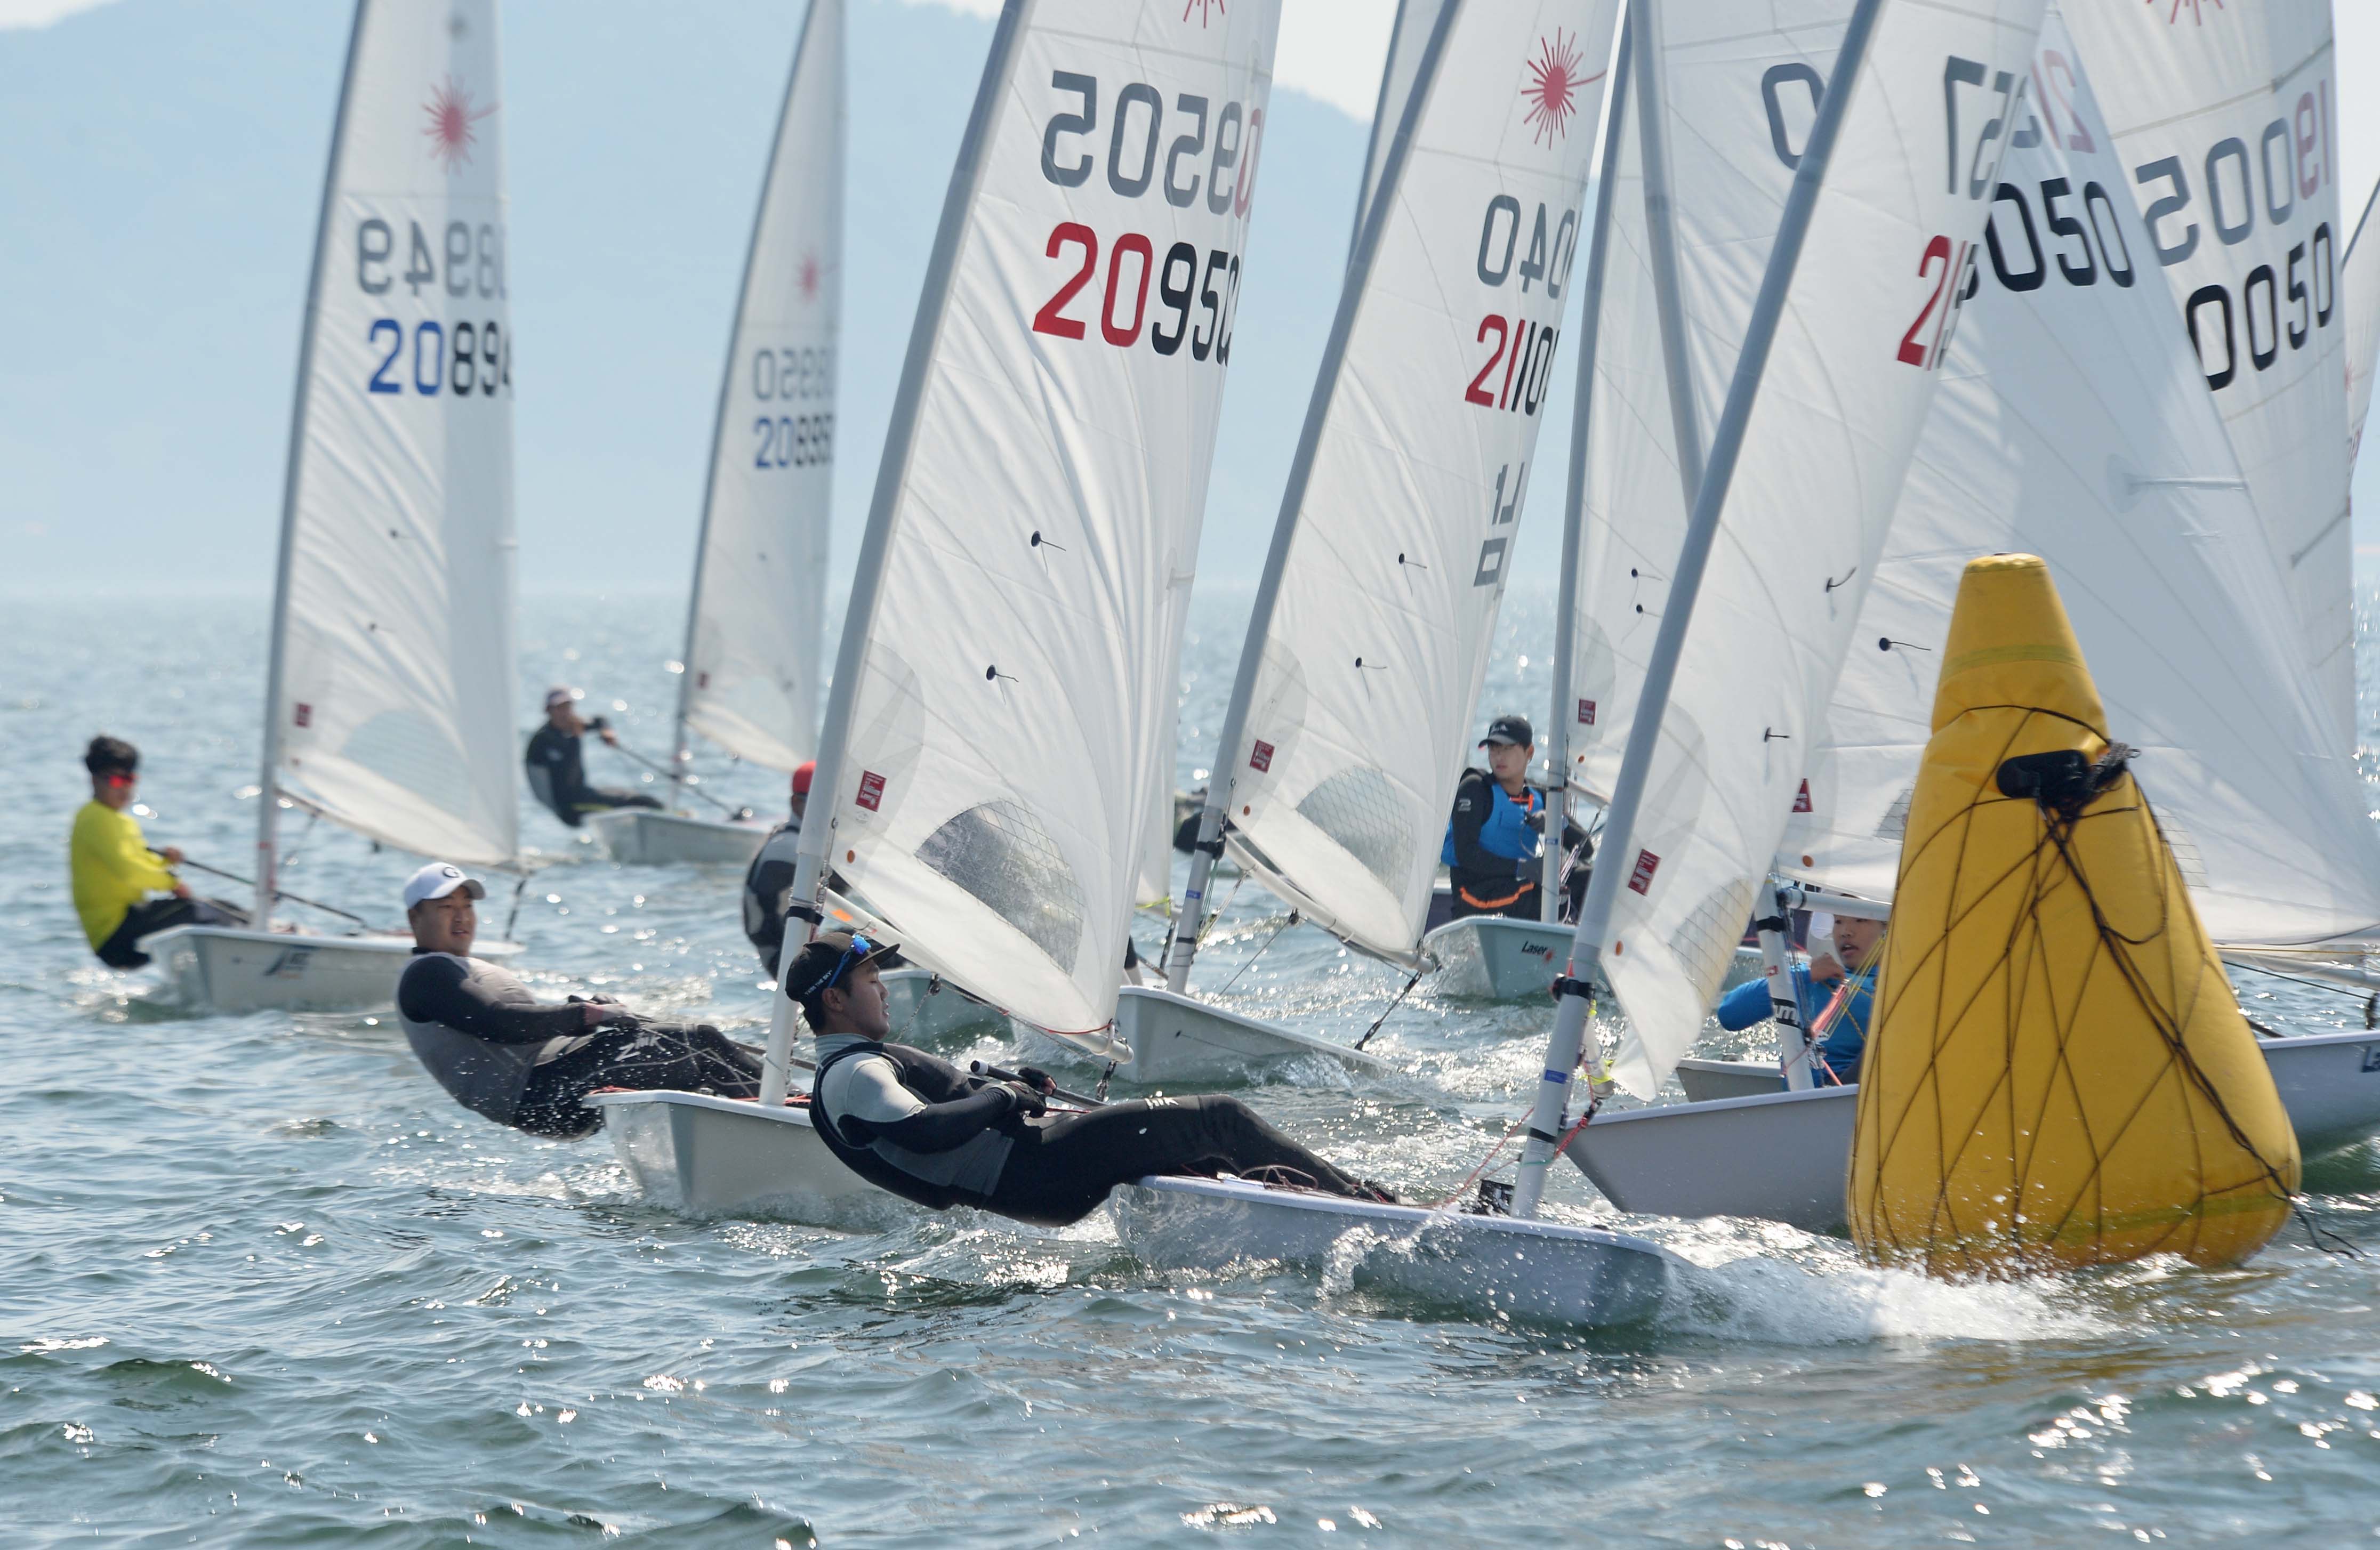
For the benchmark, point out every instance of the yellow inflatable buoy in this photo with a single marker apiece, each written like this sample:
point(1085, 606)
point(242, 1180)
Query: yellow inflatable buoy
point(2059, 1073)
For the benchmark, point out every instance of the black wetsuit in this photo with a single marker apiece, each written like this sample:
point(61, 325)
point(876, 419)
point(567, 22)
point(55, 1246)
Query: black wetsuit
point(122, 949)
point(767, 886)
point(965, 1141)
point(557, 774)
point(500, 1053)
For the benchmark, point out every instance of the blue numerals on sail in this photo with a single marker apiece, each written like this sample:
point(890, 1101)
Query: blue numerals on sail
point(793, 377)
point(428, 356)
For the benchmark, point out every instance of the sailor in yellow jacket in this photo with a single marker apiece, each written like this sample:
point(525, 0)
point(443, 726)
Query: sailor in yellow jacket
point(116, 872)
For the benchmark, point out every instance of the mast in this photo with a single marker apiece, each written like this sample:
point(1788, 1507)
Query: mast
point(1661, 246)
point(809, 861)
point(1187, 917)
point(1546, 1121)
point(1372, 145)
point(268, 795)
point(1550, 845)
point(680, 754)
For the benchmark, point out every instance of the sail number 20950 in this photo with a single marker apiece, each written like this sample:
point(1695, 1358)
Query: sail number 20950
point(1192, 153)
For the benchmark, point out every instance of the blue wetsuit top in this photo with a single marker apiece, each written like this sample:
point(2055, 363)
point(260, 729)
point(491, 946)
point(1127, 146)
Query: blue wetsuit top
point(1842, 1044)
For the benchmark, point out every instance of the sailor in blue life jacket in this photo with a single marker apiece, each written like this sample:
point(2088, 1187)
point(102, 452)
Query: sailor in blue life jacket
point(1493, 836)
point(1836, 993)
point(914, 1124)
point(500, 1052)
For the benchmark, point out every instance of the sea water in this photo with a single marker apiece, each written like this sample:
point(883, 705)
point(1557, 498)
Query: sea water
point(262, 1283)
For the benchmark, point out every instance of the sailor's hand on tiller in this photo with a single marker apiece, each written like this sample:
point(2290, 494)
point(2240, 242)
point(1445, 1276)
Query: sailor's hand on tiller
point(173, 855)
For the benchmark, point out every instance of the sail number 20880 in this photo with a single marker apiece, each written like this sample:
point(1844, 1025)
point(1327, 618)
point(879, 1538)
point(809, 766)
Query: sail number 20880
point(1209, 157)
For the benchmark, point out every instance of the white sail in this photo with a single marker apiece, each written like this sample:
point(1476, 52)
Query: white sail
point(392, 697)
point(2071, 423)
point(2358, 289)
point(2224, 116)
point(1402, 531)
point(1003, 708)
point(751, 676)
point(1408, 40)
point(1845, 388)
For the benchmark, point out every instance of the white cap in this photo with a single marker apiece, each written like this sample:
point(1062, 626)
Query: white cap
point(562, 694)
point(437, 881)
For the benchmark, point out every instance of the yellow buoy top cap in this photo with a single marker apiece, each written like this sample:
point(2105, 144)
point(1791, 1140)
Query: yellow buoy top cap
point(2011, 643)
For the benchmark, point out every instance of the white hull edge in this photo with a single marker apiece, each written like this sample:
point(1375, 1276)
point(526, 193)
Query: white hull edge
point(646, 837)
point(1781, 1156)
point(1786, 1157)
point(1174, 1039)
point(1498, 958)
point(1543, 1272)
point(702, 1156)
point(233, 969)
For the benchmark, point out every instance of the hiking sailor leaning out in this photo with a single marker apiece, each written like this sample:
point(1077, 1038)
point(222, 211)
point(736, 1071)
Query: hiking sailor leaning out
point(915, 1125)
point(500, 1052)
point(114, 872)
point(557, 766)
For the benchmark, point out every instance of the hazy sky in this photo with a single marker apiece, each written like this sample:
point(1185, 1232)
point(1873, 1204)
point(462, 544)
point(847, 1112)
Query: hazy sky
point(160, 195)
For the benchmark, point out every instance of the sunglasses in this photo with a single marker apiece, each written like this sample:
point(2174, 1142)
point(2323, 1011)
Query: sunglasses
point(859, 951)
point(120, 778)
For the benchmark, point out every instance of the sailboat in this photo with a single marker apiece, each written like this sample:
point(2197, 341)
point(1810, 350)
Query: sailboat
point(1374, 617)
point(999, 738)
point(750, 676)
point(2230, 134)
point(1844, 242)
point(2071, 423)
point(388, 701)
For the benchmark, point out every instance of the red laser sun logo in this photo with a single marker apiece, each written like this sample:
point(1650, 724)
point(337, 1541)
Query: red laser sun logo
point(1553, 90)
point(450, 130)
point(2197, 10)
point(809, 278)
point(1202, 8)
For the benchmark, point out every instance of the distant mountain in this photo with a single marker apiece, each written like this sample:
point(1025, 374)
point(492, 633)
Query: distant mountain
point(159, 188)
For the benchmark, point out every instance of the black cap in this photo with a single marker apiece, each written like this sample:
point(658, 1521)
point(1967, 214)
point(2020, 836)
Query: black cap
point(1514, 730)
point(819, 959)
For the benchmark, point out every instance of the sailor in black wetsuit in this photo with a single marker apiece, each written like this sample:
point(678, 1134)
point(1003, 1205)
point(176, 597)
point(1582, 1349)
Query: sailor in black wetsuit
point(499, 1052)
point(557, 773)
point(916, 1126)
point(769, 882)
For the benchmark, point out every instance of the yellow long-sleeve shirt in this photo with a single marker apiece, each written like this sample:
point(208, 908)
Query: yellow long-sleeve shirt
point(113, 869)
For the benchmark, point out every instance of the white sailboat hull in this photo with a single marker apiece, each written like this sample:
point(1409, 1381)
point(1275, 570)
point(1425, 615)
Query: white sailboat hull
point(713, 1156)
point(1544, 1272)
point(647, 837)
point(1786, 1157)
point(1498, 958)
point(1174, 1039)
point(1504, 960)
point(1781, 1156)
point(232, 969)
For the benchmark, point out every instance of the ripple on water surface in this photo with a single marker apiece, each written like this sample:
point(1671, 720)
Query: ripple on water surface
point(266, 1285)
